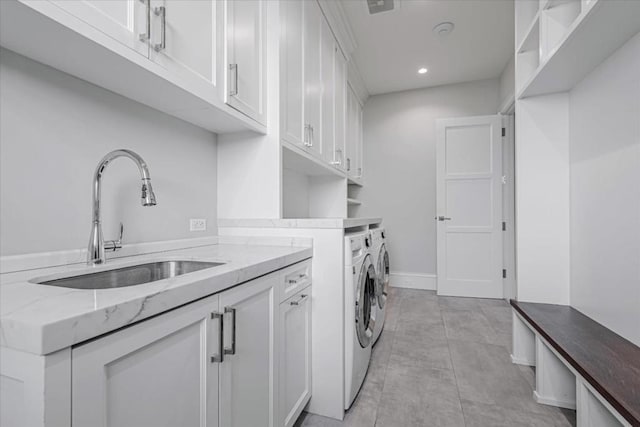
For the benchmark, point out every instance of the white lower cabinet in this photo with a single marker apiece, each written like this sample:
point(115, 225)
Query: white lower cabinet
point(155, 373)
point(235, 359)
point(247, 382)
point(295, 356)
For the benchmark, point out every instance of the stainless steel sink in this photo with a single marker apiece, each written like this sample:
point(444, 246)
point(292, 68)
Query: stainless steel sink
point(131, 276)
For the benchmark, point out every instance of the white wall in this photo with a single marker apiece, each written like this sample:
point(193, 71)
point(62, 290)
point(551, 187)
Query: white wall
point(295, 194)
point(55, 128)
point(400, 164)
point(542, 199)
point(605, 193)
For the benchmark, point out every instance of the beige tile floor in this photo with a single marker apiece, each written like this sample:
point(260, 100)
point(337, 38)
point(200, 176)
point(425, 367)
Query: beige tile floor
point(444, 361)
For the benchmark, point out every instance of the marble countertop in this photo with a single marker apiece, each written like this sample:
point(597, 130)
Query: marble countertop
point(41, 319)
point(299, 222)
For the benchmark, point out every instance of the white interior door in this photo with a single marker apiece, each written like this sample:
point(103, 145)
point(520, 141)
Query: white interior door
point(469, 206)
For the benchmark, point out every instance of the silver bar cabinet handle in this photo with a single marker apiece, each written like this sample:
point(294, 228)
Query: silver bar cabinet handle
point(231, 350)
point(162, 13)
point(307, 135)
point(233, 68)
point(219, 358)
point(144, 37)
point(339, 161)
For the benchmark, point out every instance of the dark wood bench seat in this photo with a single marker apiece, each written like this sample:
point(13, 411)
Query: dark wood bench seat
point(608, 362)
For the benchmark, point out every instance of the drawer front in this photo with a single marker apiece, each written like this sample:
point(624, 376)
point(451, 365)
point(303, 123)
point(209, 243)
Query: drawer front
point(295, 278)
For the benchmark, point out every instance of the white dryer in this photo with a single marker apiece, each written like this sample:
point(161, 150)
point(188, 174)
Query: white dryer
point(359, 303)
point(380, 258)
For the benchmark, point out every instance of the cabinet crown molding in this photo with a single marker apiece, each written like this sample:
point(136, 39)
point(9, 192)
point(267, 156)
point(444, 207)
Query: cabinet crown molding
point(339, 23)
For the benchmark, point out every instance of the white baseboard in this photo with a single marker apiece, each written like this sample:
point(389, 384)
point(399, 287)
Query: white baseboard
point(520, 361)
point(426, 282)
point(554, 402)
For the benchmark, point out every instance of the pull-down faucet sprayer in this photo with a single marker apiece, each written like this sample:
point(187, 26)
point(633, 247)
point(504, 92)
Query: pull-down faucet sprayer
point(96, 250)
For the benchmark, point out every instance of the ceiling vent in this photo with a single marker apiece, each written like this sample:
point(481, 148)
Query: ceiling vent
point(378, 6)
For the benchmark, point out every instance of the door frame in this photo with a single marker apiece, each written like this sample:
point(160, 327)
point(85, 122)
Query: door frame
point(441, 124)
point(509, 207)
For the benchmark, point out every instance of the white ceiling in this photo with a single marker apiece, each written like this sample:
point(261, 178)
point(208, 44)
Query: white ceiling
point(393, 45)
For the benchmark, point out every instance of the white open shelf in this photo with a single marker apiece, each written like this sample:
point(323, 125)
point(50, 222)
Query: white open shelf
point(531, 39)
point(296, 159)
point(575, 36)
point(354, 202)
point(527, 11)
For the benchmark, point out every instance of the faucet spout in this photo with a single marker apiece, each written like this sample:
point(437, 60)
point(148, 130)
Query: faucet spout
point(96, 253)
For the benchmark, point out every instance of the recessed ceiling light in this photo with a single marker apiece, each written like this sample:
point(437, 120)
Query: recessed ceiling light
point(422, 71)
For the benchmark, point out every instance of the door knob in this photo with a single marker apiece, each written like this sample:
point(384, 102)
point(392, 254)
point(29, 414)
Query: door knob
point(443, 218)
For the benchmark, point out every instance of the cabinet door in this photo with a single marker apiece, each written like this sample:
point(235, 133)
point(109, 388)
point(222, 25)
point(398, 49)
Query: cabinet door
point(327, 58)
point(340, 64)
point(155, 373)
point(292, 78)
point(312, 76)
point(123, 20)
point(350, 149)
point(183, 40)
point(359, 140)
point(247, 386)
point(245, 57)
point(295, 356)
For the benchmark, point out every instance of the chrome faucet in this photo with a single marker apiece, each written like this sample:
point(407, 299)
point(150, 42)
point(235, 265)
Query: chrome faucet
point(96, 250)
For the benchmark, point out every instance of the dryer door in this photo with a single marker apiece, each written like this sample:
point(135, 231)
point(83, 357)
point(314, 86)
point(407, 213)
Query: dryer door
point(365, 303)
point(383, 277)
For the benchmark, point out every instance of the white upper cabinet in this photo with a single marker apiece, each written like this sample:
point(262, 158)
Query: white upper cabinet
point(202, 61)
point(183, 39)
point(327, 56)
point(291, 71)
point(312, 29)
point(313, 85)
point(354, 135)
point(340, 98)
point(354, 149)
point(123, 20)
point(359, 152)
point(246, 70)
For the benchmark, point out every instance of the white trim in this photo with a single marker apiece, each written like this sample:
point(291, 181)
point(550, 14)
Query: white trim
point(354, 79)
point(413, 280)
point(553, 402)
point(522, 361)
point(508, 107)
point(340, 26)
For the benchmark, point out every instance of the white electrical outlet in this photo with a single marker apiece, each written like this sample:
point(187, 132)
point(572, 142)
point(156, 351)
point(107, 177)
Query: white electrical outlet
point(197, 224)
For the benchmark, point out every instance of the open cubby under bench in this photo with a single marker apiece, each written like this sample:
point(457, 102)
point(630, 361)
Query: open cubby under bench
point(579, 364)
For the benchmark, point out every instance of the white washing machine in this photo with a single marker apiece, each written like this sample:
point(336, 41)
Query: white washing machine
point(380, 258)
point(359, 303)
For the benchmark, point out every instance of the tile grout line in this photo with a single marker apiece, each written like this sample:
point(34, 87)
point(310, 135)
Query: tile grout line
point(453, 368)
point(386, 366)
